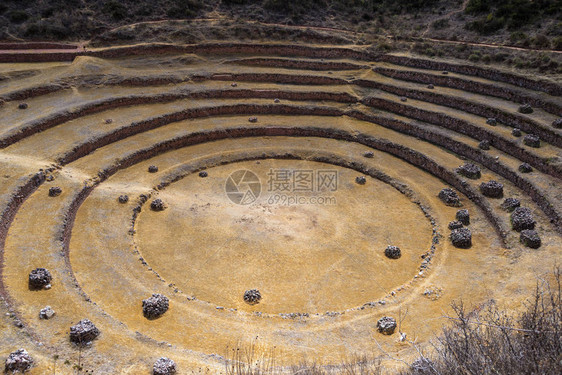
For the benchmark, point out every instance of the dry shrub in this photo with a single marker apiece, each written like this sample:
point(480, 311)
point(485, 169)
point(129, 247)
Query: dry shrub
point(493, 342)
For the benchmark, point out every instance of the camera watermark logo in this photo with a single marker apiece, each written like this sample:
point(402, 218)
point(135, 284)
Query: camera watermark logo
point(243, 187)
point(286, 186)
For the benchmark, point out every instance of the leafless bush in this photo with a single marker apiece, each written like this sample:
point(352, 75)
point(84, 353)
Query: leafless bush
point(251, 360)
point(493, 342)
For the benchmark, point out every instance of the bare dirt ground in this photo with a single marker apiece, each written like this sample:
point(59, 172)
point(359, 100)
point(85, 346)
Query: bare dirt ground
point(93, 126)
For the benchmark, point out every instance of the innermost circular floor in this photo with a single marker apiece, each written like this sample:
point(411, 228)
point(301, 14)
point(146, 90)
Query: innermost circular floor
point(309, 257)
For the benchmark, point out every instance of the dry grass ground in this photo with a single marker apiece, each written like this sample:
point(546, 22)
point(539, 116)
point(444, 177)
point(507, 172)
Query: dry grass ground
point(320, 267)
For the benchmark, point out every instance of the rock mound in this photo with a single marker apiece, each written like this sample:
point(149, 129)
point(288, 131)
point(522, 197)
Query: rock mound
point(450, 197)
point(252, 296)
point(530, 238)
point(83, 332)
point(522, 218)
point(18, 361)
point(492, 189)
point(386, 325)
point(463, 216)
point(393, 252)
point(461, 238)
point(40, 278)
point(164, 366)
point(155, 306)
point(469, 170)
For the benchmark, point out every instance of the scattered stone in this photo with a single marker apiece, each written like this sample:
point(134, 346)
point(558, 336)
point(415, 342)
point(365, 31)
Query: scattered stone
point(461, 238)
point(252, 296)
point(203, 174)
point(510, 204)
point(253, 119)
point(450, 197)
point(164, 366)
point(433, 292)
point(361, 180)
point(22, 106)
point(40, 278)
point(516, 132)
point(157, 205)
point(152, 169)
point(526, 109)
point(463, 216)
point(557, 123)
point(234, 84)
point(484, 145)
point(492, 189)
point(455, 225)
point(55, 191)
point(18, 361)
point(492, 121)
point(386, 325)
point(123, 199)
point(530, 238)
point(393, 252)
point(430, 86)
point(46, 313)
point(276, 100)
point(522, 218)
point(108, 121)
point(155, 306)
point(83, 332)
point(525, 168)
point(469, 170)
point(403, 99)
point(532, 140)
point(369, 154)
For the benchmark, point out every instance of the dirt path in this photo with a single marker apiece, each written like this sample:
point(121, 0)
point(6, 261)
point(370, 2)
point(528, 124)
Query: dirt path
point(491, 45)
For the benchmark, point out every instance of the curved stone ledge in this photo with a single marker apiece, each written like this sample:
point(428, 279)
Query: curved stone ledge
point(153, 123)
point(148, 124)
point(472, 86)
point(523, 123)
point(466, 128)
point(439, 119)
point(413, 157)
point(235, 48)
point(549, 87)
point(299, 64)
point(410, 129)
point(206, 48)
point(26, 130)
point(31, 57)
point(276, 78)
point(36, 45)
point(470, 153)
point(33, 92)
point(14, 202)
point(183, 170)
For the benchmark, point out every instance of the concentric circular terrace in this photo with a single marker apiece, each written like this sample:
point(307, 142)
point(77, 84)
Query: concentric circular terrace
point(93, 126)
